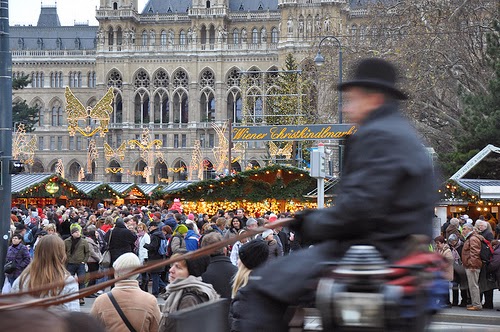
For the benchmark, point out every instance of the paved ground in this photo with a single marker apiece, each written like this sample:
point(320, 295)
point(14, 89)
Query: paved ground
point(453, 319)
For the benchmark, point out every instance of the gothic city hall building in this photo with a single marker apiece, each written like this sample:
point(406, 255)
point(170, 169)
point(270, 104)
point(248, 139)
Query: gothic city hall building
point(181, 72)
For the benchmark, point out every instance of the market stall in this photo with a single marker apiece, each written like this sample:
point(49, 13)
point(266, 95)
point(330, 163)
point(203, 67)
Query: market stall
point(44, 189)
point(273, 188)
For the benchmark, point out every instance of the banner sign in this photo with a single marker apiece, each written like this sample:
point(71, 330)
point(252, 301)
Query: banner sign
point(292, 132)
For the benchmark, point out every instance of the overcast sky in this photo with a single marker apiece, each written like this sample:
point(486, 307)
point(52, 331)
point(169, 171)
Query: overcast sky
point(26, 12)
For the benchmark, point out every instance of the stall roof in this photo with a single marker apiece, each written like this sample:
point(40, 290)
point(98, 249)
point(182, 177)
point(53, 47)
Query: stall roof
point(122, 188)
point(147, 188)
point(87, 187)
point(21, 182)
point(176, 185)
point(476, 184)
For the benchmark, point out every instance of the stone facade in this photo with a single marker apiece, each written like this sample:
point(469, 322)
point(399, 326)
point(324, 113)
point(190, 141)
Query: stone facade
point(174, 69)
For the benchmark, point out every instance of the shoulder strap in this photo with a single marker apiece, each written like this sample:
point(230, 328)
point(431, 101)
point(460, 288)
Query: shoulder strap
point(193, 294)
point(109, 240)
point(120, 312)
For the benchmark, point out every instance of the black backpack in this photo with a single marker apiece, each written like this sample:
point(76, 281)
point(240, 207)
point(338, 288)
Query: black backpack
point(486, 251)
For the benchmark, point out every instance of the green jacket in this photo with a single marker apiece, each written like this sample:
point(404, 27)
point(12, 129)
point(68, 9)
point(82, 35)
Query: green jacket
point(81, 253)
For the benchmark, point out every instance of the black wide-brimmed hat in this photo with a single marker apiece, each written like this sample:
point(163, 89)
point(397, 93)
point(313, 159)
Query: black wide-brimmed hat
point(375, 73)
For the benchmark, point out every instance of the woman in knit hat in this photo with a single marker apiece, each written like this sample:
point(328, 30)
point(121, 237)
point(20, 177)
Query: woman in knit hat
point(177, 241)
point(185, 289)
point(252, 255)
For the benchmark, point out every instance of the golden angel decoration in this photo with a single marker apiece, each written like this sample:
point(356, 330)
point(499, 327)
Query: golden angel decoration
point(149, 149)
point(23, 147)
point(119, 153)
point(79, 114)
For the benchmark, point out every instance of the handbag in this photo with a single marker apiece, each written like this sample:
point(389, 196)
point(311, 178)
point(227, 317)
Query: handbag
point(105, 261)
point(120, 312)
point(10, 266)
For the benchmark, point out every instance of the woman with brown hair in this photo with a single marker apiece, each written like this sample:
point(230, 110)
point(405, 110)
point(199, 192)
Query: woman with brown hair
point(185, 289)
point(48, 267)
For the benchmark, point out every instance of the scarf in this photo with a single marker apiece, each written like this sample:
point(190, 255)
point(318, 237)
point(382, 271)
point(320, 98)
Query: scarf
point(175, 290)
point(140, 234)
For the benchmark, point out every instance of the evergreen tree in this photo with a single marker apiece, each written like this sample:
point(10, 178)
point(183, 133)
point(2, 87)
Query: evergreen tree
point(289, 101)
point(480, 122)
point(21, 111)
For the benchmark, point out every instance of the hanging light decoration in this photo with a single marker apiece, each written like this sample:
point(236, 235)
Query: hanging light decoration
point(52, 188)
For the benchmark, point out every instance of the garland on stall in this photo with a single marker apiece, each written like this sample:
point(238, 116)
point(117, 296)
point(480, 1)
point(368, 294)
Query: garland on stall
point(452, 191)
point(104, 191)
point(276, 181)
point(38, 189)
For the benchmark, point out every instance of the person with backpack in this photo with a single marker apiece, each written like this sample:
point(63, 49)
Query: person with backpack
point(177, 242)
point(155, 253)
point(471, 260)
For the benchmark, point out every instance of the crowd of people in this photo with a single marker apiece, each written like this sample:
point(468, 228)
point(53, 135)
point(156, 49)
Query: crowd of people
point(386, 198)
point(56, 244)
point(473, 251)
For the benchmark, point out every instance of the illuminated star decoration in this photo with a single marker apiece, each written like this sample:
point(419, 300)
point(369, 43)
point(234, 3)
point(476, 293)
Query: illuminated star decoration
point(23, 147)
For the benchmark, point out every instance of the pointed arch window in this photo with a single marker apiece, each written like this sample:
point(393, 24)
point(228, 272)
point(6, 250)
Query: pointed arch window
point(274, 35)
point(142, 79)
point(111, 36)
point(115, 79)
point(207, 105)
point(181, 109)
point(182, 37)
point(117, 115)
point(234, 106)
point(141, 107)
point(236, 36)
point(255, 36)
point(163, 38)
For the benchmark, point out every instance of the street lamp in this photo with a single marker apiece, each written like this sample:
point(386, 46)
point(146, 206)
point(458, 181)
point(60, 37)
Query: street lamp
point(320, 60)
